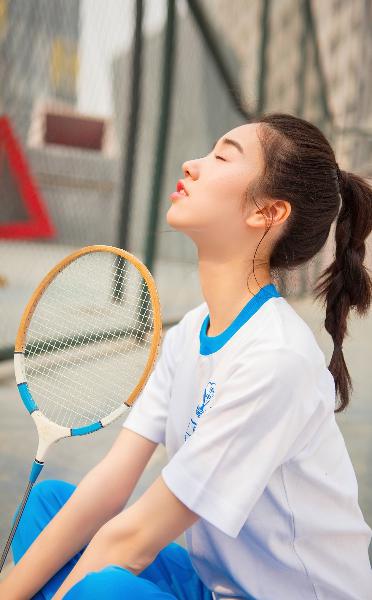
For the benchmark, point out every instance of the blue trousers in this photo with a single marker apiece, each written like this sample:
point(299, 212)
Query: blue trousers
point(170, 576)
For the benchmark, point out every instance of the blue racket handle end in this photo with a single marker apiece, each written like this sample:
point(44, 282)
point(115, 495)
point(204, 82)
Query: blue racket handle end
point(35, 470)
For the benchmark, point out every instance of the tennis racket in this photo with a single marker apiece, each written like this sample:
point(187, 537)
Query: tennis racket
point(85, 347)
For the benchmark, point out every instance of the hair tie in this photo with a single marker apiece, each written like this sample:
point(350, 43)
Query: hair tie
point(338, 172)
point(337, 345)
point(339, 176)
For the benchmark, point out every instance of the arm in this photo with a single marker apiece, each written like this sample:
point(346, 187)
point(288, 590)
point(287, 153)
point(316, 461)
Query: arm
point(100, 495)
point(133, 538)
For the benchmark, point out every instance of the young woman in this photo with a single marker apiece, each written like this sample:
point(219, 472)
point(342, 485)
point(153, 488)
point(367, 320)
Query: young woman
point(258, 477)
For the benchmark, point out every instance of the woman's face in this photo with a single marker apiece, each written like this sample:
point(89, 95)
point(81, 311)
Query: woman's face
point(216, 183)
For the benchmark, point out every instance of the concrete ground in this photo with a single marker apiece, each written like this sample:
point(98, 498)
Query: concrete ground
point(71, 458)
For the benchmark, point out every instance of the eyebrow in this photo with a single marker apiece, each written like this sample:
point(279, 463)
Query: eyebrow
point(231, 142)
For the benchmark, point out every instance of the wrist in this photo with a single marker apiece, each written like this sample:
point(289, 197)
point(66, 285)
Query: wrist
point(10, 590)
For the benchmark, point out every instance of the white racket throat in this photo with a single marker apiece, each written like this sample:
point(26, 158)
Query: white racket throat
point(48, 431)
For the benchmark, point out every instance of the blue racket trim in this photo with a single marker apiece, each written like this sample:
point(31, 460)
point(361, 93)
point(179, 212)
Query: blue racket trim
point(86, 429)
point(27, 398)
point(35, 470)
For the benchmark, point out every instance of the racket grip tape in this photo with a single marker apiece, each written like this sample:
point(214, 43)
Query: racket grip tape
point(35, 470)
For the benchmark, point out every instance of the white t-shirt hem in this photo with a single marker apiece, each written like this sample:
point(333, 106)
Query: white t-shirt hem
point(207, 505)
point(146, 430)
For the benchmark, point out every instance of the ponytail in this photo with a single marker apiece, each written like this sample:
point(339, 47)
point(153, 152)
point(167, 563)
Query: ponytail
point(346, 283)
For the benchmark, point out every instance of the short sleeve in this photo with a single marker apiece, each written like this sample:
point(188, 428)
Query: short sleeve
point(148, 415)
point(267, 408)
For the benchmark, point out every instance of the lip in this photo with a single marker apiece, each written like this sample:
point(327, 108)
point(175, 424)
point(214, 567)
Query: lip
point(176, 195)
point(181, 186)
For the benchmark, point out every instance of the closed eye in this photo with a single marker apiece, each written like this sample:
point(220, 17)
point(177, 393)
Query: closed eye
point(220, 157)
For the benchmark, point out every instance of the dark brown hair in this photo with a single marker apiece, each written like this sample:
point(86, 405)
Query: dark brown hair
point(300, 166)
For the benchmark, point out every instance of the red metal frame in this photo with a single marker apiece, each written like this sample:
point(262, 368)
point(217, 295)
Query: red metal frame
point(38, 224)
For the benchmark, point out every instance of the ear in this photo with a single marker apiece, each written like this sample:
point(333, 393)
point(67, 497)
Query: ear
point(273, 213)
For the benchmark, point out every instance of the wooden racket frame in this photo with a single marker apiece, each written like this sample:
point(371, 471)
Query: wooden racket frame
point(46, 281)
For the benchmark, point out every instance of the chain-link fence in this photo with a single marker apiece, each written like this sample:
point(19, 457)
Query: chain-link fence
point(103, 102)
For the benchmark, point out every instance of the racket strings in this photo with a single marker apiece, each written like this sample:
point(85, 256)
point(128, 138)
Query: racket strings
point(89, 339)
point(84, 381)
point(59, 305)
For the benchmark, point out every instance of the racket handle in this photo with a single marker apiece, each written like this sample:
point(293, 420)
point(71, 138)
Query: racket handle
point(15, 525)
point(35, 470)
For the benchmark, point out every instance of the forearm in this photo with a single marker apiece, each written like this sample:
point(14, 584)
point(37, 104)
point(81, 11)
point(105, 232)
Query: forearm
point(92, 504)
point(103, 550)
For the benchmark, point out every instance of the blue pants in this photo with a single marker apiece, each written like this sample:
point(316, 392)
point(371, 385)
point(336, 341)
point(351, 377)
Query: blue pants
point(170, 576)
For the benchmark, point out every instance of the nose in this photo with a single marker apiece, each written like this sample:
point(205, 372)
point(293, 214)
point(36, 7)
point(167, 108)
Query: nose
point(189, 168)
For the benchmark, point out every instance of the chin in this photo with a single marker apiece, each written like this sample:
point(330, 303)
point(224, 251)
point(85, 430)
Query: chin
point(174, 220)
point(178, 221)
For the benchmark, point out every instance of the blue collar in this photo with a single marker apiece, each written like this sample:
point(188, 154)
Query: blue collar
point(210, 344)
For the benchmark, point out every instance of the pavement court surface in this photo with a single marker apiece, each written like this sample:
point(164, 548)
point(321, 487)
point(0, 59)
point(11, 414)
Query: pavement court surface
point(70, 459)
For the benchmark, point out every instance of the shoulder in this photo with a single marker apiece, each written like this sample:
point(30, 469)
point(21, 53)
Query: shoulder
point(282, 329)
point(277, 345)
point(271, 362)
point(276, 383)
point(285, 369)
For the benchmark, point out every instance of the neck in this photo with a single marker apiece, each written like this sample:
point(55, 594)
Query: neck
point(225, 286)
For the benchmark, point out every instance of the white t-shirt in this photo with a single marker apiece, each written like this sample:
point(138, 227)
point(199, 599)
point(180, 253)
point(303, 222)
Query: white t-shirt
point(247, 419)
